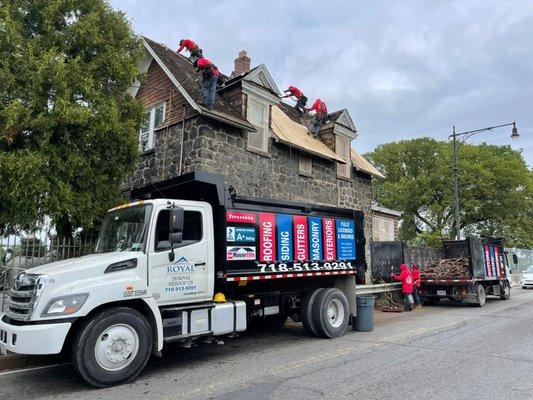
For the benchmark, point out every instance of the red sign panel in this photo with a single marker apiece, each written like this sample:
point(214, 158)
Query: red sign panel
point(487, 259)
point(244, 217)
point(301, 238)
point(330, 247)
point(499, 267)
point(267, 237)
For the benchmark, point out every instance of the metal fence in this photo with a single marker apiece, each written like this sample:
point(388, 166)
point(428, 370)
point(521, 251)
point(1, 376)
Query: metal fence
point(18, 254)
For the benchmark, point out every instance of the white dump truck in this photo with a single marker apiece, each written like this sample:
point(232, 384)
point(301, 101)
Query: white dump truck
point(190, 260)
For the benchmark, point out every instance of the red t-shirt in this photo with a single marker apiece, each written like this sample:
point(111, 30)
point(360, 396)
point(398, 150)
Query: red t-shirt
point(204, 63)
point(295, 91)
point(319, 106)
point(187, 44)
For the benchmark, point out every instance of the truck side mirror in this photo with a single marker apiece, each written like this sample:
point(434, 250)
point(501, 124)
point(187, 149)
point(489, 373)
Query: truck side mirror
point(515, 259)
point(175, 226)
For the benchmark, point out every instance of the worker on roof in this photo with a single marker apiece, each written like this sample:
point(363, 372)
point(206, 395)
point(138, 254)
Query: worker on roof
point(195, 52)
point(210, 76)
point(407, 285)
point(301, 99)
point(416, 284)
point(319, 119)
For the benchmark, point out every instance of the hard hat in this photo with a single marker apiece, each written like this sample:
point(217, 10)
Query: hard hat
point(219, 298)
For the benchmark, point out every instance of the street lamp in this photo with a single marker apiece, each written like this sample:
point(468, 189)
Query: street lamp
point(456, 143)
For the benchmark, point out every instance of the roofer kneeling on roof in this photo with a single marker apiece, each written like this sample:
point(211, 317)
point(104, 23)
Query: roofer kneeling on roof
point(319, 119)
point(301, 99)
point(210, 76)
point(194, 50)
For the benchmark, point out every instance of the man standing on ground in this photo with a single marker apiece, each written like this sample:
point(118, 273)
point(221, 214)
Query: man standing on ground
point(301, 99)
point(416, 284)
point(319, 119)
point(210, 76)
point(407, 285)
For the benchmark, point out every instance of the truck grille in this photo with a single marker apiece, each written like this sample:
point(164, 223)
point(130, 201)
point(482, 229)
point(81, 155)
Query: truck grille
point(22, 298)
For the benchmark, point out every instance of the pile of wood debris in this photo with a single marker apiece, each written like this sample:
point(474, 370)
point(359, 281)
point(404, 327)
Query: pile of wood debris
point(446, 268)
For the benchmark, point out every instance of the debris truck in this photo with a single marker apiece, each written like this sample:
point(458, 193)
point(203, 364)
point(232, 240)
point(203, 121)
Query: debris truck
point(188, 259)
point(485, 272)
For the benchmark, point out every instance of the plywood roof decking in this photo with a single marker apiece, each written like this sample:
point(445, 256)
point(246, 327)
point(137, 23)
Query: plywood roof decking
point(361, 164)
point(293, 134)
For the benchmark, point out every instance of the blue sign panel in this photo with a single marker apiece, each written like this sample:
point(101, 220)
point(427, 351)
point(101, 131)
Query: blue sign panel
point(345, 239)
point(315, 238)
point(493, 261)
point(240, 235)
point(284, 237)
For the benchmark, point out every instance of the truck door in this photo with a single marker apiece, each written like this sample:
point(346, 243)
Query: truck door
point(188, 278)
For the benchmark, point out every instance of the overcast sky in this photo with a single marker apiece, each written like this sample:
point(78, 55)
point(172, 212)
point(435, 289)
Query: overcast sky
point(403, 69)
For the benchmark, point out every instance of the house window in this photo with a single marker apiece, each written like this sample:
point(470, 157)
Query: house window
point(382, 228)
point(342, 148)
point(305, 165)
point(258, 117)
point(152, 119)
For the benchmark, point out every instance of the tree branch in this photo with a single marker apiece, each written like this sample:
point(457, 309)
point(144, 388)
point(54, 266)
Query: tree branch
point(424, 220)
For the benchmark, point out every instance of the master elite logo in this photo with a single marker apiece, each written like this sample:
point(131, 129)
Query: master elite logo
point(241, 253)
point(181, 266)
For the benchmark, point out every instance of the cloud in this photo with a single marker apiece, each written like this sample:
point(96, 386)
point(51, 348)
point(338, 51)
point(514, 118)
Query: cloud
point(403, 69)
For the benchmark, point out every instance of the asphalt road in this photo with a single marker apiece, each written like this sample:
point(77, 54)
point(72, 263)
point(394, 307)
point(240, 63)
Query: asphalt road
point(444, 352)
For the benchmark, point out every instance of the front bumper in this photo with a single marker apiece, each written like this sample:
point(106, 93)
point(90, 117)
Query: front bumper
point(33, 339)
point(526, 284)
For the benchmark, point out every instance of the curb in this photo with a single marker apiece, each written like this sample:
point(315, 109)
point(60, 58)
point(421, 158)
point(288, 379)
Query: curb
point(19, 361)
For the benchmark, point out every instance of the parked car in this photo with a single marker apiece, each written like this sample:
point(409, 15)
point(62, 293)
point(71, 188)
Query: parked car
point(527, 278)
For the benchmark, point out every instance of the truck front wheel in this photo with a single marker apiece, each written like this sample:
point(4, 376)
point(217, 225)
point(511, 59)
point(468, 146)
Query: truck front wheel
point(113, 347)
point(330, 313)
point(505, 291)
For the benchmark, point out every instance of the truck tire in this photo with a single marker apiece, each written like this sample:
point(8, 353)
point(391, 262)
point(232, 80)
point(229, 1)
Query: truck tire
point(306, 311)
point(113, 347)
point(480, 295)
point(505, 291)
point(330, 313)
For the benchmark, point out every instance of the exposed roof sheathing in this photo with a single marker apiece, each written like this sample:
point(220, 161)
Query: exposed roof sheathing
point(295, 135)
point(361, 164)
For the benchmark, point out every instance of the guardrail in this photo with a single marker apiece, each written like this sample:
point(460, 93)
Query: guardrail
point(378, 288)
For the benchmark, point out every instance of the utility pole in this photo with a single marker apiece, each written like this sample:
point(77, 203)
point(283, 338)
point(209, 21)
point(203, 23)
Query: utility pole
point(456, 144)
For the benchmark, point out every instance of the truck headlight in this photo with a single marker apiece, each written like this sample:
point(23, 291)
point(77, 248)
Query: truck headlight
point(67, 305)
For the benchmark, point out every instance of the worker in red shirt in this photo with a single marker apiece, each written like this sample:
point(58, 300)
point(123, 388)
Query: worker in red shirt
point(319, 119)
point(210, 76)
point(301, 99)
point(407, 285)
point(416, 284)
point(195, 52)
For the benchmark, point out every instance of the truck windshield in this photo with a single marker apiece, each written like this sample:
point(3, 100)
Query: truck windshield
point(124, 229)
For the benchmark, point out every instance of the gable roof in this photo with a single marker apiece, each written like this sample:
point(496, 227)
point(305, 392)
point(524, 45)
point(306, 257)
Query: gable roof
point(361, 164)
point(182, 73)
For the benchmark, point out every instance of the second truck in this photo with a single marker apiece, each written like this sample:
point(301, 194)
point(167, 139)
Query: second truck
point(189, 260)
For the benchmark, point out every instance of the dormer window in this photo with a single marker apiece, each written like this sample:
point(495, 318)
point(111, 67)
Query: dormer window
point(342, 148)
point(258, 113)
point(152, 119)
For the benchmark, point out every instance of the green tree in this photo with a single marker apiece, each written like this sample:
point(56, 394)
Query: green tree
point(496, 190)
point(67, 127)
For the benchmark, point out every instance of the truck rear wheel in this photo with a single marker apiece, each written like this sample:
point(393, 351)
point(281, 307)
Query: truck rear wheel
point(330, 313)
point(505, 291)
point(480, 295)
point(113, 347)
point(306, 311)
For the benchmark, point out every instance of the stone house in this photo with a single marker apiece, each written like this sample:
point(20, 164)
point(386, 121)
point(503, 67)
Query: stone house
point(257, 142)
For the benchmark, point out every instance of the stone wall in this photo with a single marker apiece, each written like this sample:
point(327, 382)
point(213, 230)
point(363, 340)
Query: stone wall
point(214, 147)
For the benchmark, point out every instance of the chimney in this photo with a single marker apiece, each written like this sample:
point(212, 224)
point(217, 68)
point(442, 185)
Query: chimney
point(242, 64)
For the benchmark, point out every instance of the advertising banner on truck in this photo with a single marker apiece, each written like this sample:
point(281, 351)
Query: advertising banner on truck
point(290, 242)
